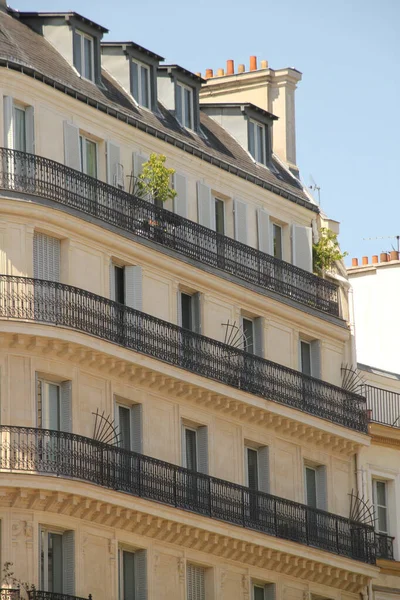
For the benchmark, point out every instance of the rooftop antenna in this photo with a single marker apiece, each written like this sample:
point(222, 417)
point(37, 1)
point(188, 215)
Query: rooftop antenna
point(315, 188)
point(387, 237)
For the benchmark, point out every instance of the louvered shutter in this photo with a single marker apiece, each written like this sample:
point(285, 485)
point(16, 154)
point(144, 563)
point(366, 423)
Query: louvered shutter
point(136, 428)
point(202, 449)
point(77, 52)
point(46, 257)
point(68, 563)
point(205, 206)
point(127, 560)
point(114, 165)
point(264, 231)
point(315, 347)
point(39, 400)
point(133, 287)
point(71, 146)
point(179, 308)
point(302, 247)
point(112, 280)
point(140, 575)
point(263, 469)
point(196, 312)
point(240, 219)
point(195, 582)
point(259, 336)
point(180, 200)
point(66, 406)
point(30, 129)
point(8, 122)
point(321, 487)
point(270, 591)
point(138, 162)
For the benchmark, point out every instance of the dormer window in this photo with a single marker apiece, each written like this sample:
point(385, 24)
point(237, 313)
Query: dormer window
point(257, 141)
point(84, 55)
point(140, 83)
point(184, 105)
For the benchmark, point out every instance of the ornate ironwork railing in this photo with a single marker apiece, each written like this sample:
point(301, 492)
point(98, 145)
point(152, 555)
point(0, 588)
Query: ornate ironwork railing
point(42, 595)
point(69, 455)
point(383, 405)
point(46, 178)
point(10, 593)
point(384, 546)
point(67, 306)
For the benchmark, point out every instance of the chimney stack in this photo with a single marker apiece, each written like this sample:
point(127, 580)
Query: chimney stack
point(220, 73)
point(230, 67)
point(264, 64)
point(375, 259)
point(365, 260)
point(209, 73)
point(253, 63)
point(241, 69)
point(354, 262)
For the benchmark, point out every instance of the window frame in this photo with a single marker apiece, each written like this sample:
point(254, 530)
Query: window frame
point(48, 530)
point(277, 225)
point(180, 89)
point(246, 465)
point(256, 156)
point(308, 344)
point(121, 571)
point(314, 469)
point(44, 401)
point(83, 154)
point(258, 586)
point(184, 452)
point(18, 107)
point(84, 35)
point(376, 480)
point(245, 345)
point(218, 200)
point(148, 68)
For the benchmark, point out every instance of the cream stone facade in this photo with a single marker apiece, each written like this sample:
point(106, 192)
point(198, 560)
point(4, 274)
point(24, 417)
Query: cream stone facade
point(173, 420)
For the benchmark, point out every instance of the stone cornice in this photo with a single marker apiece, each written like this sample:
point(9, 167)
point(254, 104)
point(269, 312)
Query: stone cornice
point(385, 435)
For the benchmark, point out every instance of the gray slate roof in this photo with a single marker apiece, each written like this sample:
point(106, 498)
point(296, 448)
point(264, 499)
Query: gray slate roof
point(23, 49)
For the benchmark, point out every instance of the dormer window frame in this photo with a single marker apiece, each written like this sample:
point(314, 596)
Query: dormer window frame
point(85, 36)
point(256, 146)
point(181, 88)
point(139, 99)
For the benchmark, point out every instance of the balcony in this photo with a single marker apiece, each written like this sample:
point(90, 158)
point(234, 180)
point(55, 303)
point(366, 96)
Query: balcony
point(66, 306)
point(46, 178)
point(383, 406)
point(41, 595)
point(384, 546)
point(63, 454)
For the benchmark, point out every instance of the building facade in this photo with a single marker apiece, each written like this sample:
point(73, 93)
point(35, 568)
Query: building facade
point(173, 419)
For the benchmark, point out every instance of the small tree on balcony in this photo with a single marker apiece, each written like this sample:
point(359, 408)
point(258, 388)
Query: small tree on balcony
point(155, 180)
point(326, 252)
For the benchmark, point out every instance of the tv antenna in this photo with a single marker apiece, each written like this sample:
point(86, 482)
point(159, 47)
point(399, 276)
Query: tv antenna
point(387, 237)
point(315, 188)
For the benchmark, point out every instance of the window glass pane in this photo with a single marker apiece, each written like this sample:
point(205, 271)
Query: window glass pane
point(252, 468)
point(119, 284)
point(252, 146)
point(382, 519)
point(19, 130)
point(53, 407)
point(128, 579)
point(91, 158)
point(381, 493)
point(277, 233)
point(305, 358)
point(191, 450)
point(219, 216)
point(124, 417)
point(311, 487)
point(188, 107)
point(258, 593)
point(248, 331)
point(135, 81)
point(88, 54)
point(145, 84)
point(186, 301)
point(179, 91)
point(260, 144)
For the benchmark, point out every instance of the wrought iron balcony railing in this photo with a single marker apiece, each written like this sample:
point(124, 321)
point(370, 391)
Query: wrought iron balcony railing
point(42, 595)
point(10, 593)
point(383, 405)
point(68, 455)
point(59, 304)
point(46, 178)
point(384, 546)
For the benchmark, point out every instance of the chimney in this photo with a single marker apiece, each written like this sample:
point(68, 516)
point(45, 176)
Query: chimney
point(241, 69)
point(394, 255)
point(375, 259)
point(230, 67)
point(198, 74)
point(264, 64)
point(365, 260)
point(354, 262)
point(209, 73)
point(281, 96)
point(253, 63)
point(384, 257)
point(220, 73)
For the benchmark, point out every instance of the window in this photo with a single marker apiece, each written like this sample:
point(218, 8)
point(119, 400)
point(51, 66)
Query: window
point(310, 357)
point(54, 407)
point(189, 311)
point(46, 257)
point(126, 285)
point(277, 240)
point(311, 487)
point(132, 575)
point(315, 486)
point(195, 582)
point(88, 153)
point(257, 141)
point(252, 468)
point(190, 452)
point(305, 357)
point(19, 129)
point(195, 448)
point(263, 592)
point(84, 55)
point(119, 291)
point(57, 561)
point(379, 494)
point(140, 83)
point(184, 105)
point(257, 468)
point(128, 420)
point(248, 335)
point(219, 216)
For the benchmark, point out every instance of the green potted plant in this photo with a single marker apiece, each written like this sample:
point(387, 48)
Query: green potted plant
point(326, 252)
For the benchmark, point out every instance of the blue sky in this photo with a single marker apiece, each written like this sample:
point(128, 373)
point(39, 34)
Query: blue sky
point(348, 103)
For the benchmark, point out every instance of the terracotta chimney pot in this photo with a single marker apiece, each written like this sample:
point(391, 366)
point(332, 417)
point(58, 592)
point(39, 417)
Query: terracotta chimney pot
point(230, 67)
point(253, 63)
point(394, 255)
point(264, 64)
point(365, 260)
point(198, 74)
point(209, 73)
point(241, 69)
point(220, 72)
point(375, 259)
point(384, 257)
point(354, 262)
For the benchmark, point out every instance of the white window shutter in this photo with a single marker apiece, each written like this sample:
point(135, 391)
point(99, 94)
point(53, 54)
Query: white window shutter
point(270, 591)
point(66, 406)
point(114, 165)
point(264, 231)
point(71, 146)
point(136, 428)
point(263, 469)
point(112, 280)
point(68, 544)
point(133, 287)
point(205, 207)
point(180, 200)
point(302, 247)
point(240, 219)
point(138, 162)
point(259, 336)
point(315, 347)
point(30, 129)
point(322, 500)
point(202, 449)
point(140, 575)
point(8, 122)
point(196, 312)
point(195, 583)
point(39, 399)
point(46, 257)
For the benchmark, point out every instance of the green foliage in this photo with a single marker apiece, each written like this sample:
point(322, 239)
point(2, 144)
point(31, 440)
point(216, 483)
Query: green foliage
point(326, 251)
point(155, 180)
point(9, 579)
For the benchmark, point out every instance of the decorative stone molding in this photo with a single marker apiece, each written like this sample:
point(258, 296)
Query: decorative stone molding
point(246, 587)
point(181, 570)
